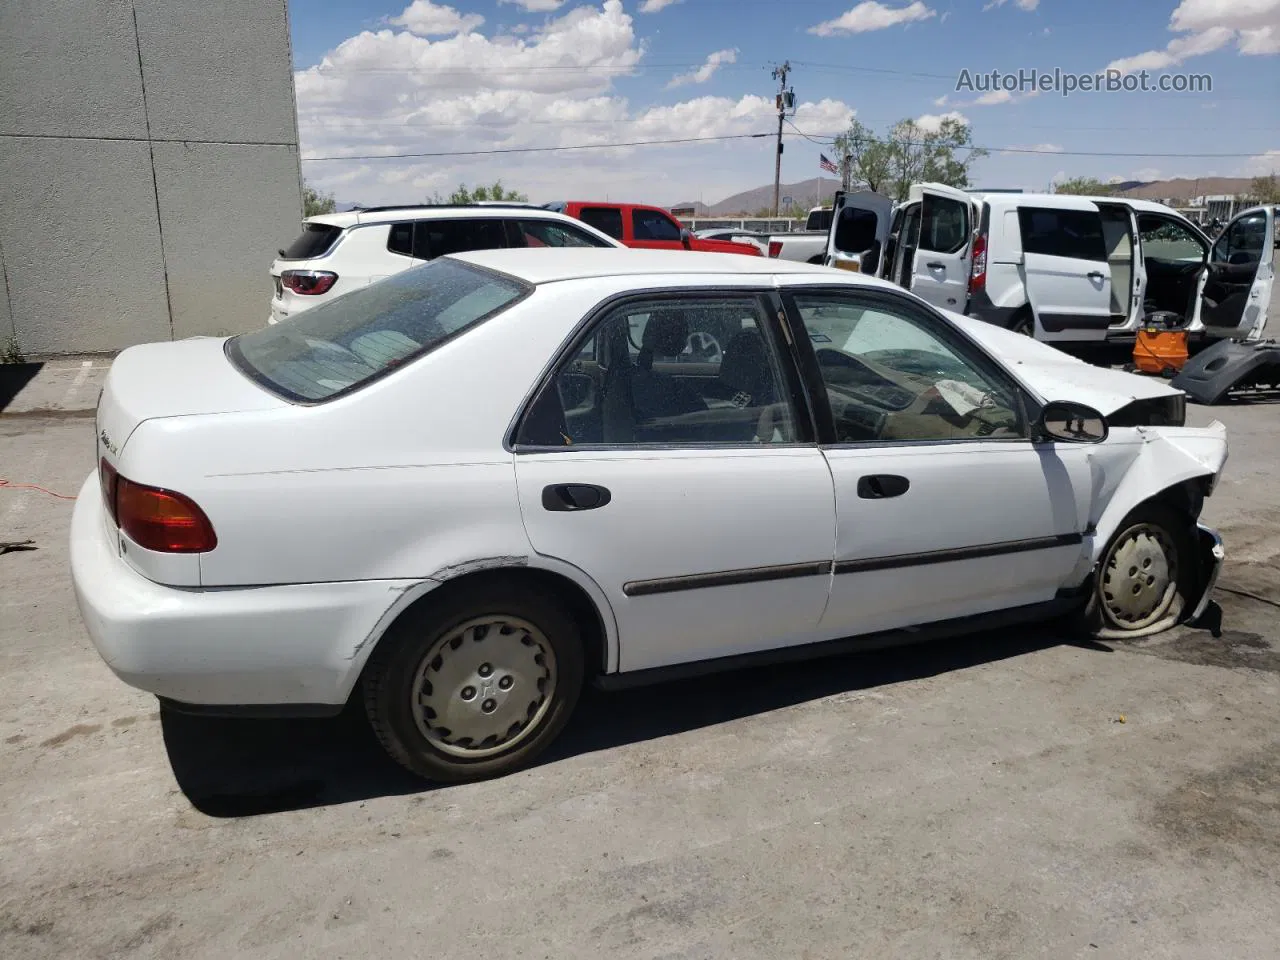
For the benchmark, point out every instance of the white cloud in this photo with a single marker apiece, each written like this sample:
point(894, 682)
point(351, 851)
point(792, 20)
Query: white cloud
point(653, 6)
point(941, 101)
point(1209, 25)
point(1021, 149)
point(428, 19)
point(932, 122)
point(394, 92)
point(536, 6)
point(993, 97)
point(1027, 5)
point(873, 15)
point(707, 70)
point(1262, 165)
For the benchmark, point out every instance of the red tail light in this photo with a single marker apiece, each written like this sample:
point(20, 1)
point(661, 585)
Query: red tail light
point(978, 275)
point(156, 519)
point(775, 248)
point(109, 479)
point(308, 283)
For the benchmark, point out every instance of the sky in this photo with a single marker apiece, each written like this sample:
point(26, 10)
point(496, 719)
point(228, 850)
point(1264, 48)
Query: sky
point(380, 79)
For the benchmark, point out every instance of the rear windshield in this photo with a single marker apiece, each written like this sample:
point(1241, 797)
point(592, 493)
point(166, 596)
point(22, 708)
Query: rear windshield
point(336, 347)
point(314, 241)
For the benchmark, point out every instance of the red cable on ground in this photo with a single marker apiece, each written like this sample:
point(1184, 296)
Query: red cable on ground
point(31, 486)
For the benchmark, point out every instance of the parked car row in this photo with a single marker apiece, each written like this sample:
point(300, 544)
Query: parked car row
point(1063, 268)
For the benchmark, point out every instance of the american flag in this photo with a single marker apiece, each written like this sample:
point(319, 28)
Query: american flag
point(826, 164)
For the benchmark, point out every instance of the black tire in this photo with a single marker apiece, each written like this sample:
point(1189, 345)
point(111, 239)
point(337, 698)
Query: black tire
point(391, 676)
point(1105, 615)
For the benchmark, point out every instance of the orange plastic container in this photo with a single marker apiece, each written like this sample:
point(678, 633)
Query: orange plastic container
point(1158, 351)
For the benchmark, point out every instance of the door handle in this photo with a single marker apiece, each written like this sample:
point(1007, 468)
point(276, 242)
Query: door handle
point(882, 486)
point(571, 497)
point(936, 265)
point(1096, 275)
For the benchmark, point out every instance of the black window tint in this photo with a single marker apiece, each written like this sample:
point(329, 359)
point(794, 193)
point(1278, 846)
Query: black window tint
point(819, 220)
point(945, 227)
point(547, 233)
point(439, 238)
point(1062, 233)
point(687, 371)
point(856, 230)
point(400, 239)
point(1242, 241)
point(607, 220)
point(652, 225)
point(342, 343)
point(315, 240)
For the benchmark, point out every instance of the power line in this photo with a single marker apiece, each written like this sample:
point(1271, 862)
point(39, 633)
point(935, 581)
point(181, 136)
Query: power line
point(582, 146)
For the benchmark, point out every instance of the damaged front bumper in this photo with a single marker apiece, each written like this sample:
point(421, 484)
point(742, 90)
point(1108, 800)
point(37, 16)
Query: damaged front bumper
point(1210, 555)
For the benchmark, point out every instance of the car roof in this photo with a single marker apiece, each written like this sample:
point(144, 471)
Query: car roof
point(548, 265)
point(1049, 199)
point(353, 218)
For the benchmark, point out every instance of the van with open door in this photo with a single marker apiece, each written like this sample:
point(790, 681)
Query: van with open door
point(1240, 295)
point(1059, 268)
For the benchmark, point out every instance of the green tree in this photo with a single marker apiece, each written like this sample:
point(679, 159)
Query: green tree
point(1265, 189)
point(910, 153)
point(314, 202)
point(495, 192)
point(1082, 186)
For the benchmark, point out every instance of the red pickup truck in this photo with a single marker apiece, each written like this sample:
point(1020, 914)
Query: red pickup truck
point(648, 228)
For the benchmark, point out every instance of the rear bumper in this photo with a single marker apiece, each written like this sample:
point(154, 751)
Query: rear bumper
point(300, 644)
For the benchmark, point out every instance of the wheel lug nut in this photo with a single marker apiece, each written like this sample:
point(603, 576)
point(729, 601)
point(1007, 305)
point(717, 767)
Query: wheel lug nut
point(489, 706)
point(468, 693)
point(505, 683)
point(485, 670)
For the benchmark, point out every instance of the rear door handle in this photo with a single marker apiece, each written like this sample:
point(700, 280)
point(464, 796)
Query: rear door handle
point(572, 497)
point(936, 265)
point(882, 486)
point(1096, 275)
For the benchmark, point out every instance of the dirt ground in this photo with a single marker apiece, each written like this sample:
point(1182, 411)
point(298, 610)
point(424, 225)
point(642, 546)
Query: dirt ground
point(1000, 795)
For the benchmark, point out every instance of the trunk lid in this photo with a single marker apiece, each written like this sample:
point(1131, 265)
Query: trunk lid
point(177, 379)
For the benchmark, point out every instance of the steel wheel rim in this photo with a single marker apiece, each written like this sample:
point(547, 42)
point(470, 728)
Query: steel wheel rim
point(484, 686)
point(1140, 576)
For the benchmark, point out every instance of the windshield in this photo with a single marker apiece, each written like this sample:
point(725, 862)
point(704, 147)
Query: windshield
point(337, 346)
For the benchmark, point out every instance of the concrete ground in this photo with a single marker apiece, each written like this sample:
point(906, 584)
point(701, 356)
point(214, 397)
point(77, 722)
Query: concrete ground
point(1000, 795)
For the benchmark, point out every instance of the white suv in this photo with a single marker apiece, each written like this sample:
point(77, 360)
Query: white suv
point(340, 252)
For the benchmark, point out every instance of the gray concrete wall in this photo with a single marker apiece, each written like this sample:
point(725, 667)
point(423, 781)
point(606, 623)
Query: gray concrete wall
point(148, 168)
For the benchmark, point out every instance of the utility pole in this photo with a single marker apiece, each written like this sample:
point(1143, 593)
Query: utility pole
point(786, 101)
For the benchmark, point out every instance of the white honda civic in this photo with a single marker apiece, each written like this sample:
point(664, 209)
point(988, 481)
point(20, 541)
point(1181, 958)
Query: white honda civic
point(463, 492)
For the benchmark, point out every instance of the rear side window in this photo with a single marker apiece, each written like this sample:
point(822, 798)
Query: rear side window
point(315, 240)
point(400, 239)
point(337, 346)
point(651, 225)
point(548, 233)
point(1062, 233)
point(607, 220)
point(438, 238)
point(819, 220)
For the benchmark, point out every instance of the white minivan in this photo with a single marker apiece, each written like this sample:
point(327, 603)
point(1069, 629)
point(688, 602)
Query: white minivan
point(1061, 268)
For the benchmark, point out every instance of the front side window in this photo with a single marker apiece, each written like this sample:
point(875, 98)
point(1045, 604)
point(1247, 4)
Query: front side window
point(945, 228)
point(1166, 239)
point(675, 370)
point(652, 225)
point(548, 233)
point(1241, 243)
point(608, 220)
point(345, 342)
point(894, 373)
point(1063, 233)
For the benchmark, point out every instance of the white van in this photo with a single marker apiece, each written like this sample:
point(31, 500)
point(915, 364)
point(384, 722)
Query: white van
point(1061, 268)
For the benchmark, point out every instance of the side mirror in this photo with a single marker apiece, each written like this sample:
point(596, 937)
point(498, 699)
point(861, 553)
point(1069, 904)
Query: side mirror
point(1071, 423)
point(686, 237)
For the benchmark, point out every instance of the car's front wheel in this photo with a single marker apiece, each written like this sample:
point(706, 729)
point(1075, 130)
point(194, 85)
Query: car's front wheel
point(474, 683)
point(1145, 575)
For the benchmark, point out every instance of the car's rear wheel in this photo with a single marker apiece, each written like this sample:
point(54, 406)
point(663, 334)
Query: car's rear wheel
point(474, 683)
point(1024, 324)
point(1145, 574)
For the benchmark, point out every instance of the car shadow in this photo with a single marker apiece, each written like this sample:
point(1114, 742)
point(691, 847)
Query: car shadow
point(13, 377)
point(238, 768)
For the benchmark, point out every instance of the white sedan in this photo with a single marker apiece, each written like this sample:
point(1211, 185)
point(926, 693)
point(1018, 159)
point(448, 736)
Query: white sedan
point(461, 493)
